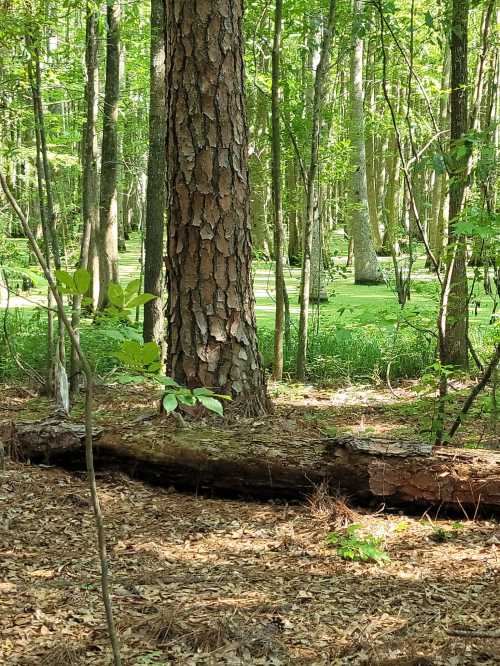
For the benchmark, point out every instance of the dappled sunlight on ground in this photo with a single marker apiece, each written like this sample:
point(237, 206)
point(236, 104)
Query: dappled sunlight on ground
point(204, 581)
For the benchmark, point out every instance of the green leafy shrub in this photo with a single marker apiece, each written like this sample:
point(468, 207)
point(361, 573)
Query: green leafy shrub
point(352, 546)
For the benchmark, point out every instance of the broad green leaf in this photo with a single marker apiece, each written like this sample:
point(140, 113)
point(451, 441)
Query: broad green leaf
point(169, 402)
point(150, 352)
point(185, 399)
point(81, 279)
point(115, 295)
point(140, 299)
point(66, 279)
point(132, 288)
point(211, 404)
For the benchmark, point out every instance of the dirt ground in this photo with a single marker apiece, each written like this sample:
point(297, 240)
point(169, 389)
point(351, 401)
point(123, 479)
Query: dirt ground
point(209, 581)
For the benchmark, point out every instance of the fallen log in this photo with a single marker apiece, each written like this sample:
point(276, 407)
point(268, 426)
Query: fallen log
point(260, 465)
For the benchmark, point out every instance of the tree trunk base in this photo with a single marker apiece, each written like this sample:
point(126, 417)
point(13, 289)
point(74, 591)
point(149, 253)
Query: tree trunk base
point(368, 282)
point(264, 466)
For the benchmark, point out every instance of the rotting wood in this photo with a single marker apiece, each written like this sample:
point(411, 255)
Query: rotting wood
point(259, 465)
point(45, 439)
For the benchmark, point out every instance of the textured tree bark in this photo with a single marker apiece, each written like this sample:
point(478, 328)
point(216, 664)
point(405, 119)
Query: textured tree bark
point(212, 338)
point(453, 314)
point(156, 184)
point(108, 204)
point(366, 269)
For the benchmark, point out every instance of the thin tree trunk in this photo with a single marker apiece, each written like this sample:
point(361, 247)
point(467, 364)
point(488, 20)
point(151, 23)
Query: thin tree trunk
point(156, 183)
point(90, 180)
point(108, 203)
point(89, 454)
point(46, 236)
point(475, 112)
point(51, 218)
point(305, 284)
point(279, 234)
point(57, 366)
point(371, 179)
point(366, 269)
point(212, 337)
point(259, 172)
point(292, 213)
point(453, 315)
point(438, 198)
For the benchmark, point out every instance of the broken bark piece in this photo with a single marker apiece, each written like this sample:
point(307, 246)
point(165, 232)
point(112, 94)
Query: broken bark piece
point(263, 465)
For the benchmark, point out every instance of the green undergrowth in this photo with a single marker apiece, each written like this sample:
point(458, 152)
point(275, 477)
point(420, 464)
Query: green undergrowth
point(338, 353)
point(354, 354)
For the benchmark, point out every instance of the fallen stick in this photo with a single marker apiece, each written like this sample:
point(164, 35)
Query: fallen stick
point(466, 633)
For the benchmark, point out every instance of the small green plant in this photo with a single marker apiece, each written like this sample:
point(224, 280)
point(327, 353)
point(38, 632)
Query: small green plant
point(352, 546)
point(142, 362)
point(441, 535)
point(176, 395)
point(76, 284)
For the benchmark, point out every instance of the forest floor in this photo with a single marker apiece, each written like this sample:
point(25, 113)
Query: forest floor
point(199, 580)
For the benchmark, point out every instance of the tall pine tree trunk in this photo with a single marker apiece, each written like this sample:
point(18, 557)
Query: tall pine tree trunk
point(212, 337)
point(108, 204)
point(366, 269)
point(156, 184)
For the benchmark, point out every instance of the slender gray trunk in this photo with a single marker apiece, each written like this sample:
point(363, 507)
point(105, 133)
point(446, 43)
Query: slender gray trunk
point(366, 269)
point(108, 203)
point(90, 180)
point(305, 285)
point(279, 235)
point(156, 183)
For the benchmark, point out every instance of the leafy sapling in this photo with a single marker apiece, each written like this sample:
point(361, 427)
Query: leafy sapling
point(176, 395)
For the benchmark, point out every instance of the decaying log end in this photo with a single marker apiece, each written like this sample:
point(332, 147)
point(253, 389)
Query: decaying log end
point(47, 438)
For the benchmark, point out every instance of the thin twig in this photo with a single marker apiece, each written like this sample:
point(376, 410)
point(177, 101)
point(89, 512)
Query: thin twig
point(475, 392)
point(89, 454)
